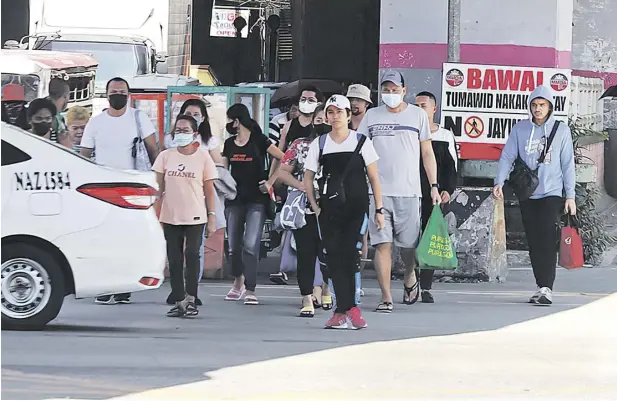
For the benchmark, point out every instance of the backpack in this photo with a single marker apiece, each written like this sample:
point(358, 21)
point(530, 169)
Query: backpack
point(333, 190)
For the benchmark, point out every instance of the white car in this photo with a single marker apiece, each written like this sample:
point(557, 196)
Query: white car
point(70, 226)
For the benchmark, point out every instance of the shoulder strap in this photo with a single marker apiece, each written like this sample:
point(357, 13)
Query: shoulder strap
point(322, 144)
point(138, 123)
point(549, 142)
point(361, 139)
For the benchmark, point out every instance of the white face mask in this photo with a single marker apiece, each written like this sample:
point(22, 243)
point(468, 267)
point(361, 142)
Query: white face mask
point(307, 108)
point(392, 100)
point(199, 120)
point(183, 139)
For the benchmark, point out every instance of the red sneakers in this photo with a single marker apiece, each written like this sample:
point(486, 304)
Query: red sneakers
point(356, 319)
point(337, 321)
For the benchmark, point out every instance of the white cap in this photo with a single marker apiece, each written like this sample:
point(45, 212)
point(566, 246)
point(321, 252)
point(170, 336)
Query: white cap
point(338, 101)
point(359, 92)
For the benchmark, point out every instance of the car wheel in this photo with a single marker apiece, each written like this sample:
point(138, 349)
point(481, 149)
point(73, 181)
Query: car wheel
point(32, 287)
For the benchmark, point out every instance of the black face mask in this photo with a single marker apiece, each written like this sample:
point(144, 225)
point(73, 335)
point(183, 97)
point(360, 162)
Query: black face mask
point(117, 101)
point(41, 129)
point(231, 129)
point(321, 129)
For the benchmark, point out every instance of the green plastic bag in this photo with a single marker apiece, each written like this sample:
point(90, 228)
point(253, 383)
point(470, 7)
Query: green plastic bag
point(435, 250)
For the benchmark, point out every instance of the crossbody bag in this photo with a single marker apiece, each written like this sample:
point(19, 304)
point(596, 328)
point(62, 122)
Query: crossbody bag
point(523, 180)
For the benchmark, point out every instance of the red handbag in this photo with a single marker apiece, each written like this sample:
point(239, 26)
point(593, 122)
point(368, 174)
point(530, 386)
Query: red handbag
point(571, 247)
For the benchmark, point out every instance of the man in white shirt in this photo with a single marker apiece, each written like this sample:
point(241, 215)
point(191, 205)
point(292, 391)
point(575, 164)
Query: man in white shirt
point(401, 136)
point(112, 135)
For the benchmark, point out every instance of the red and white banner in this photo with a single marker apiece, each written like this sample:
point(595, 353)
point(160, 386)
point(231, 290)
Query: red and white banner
point(481, 103)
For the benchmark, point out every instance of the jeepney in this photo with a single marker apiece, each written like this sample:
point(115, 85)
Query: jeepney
point(34, 69)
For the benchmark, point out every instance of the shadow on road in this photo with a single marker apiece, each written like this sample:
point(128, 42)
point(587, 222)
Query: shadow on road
point(128, 348)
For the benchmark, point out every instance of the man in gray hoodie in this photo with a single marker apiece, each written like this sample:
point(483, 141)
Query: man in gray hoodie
point(542, 211)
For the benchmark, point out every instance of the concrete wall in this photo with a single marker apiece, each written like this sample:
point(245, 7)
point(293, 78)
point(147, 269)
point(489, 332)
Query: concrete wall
point(523, 32)
point(178, 30)
point(594, 45)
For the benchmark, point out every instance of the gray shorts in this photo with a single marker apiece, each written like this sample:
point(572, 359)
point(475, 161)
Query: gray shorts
point(403, 221)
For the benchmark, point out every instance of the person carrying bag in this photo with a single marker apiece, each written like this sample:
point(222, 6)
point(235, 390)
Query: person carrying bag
point(571, 254)
point(436, 250)
point(542, 153)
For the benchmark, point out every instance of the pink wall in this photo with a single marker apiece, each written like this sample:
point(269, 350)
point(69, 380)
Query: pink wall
point(433, 55)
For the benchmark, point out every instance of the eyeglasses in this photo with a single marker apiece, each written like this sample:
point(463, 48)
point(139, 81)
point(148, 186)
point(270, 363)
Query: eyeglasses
point(308, 100)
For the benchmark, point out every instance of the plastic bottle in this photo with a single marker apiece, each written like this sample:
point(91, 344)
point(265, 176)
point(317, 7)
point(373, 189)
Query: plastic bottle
point(358, 288)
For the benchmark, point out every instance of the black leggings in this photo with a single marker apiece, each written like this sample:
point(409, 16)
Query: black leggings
point(540, 218)
point(308, 246)
point(177, 253)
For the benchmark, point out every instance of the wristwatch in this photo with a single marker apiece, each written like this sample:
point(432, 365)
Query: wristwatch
point(211, 213)
point(379, 210)
point(434, 186)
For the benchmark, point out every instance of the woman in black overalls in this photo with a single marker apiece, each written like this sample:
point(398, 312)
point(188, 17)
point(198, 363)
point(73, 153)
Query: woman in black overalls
point(345, 158)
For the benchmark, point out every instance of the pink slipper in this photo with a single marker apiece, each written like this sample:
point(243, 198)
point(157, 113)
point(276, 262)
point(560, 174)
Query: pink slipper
point(235, 295)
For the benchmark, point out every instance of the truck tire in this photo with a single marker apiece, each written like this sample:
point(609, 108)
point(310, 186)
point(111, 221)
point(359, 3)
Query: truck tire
point(32, 287)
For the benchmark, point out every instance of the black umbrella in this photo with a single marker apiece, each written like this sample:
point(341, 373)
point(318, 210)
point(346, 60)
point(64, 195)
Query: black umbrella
point(289, 92)
point(611, 92)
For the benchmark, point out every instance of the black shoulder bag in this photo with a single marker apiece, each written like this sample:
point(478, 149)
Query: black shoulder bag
point(333, 188)
point(523, 180)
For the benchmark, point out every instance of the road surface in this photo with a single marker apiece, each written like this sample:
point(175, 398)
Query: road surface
point(99, 351)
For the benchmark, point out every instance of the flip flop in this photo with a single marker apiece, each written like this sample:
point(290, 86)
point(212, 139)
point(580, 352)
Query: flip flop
point(407, 299)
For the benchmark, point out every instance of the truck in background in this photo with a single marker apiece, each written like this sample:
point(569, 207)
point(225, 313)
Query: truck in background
point(127, 37)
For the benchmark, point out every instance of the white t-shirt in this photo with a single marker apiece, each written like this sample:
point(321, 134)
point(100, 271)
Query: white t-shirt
point(447, 136)
point(112, 137)
point(213, 144)
point(397, 137)
point(348, 145)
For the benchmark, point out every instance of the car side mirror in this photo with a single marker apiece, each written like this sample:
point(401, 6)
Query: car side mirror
point(160, 57)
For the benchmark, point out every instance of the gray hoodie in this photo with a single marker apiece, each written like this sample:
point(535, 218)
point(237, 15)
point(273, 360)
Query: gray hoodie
point(528, 140)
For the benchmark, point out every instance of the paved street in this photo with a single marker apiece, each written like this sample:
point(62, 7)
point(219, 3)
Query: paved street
point(99, 352)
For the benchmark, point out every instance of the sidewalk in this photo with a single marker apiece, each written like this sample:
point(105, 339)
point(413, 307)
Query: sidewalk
point(567, 356)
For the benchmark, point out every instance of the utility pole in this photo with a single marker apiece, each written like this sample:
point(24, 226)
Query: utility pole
point(454, 31)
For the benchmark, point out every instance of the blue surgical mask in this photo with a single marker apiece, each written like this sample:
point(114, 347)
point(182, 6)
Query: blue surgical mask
point(183, 139)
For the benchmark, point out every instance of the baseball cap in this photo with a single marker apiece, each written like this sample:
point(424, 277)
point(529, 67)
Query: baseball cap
point(13, 92)
point(359, 92)
point(338, 101)
point(393, 76)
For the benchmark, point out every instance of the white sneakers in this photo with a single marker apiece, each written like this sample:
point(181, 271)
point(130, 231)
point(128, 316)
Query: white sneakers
point(544, 296)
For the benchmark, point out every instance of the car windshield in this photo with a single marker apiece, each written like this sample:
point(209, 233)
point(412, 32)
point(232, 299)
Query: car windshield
point(115, 59)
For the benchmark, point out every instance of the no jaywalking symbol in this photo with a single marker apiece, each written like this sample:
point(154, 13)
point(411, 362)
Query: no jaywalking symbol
point(474, 127)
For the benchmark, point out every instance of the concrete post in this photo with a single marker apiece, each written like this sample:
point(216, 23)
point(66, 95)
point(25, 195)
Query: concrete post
point(454, 31)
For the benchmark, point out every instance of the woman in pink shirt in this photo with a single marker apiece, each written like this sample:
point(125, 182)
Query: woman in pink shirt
point(185, 176)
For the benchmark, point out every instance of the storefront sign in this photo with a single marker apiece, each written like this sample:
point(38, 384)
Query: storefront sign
point(481, 103)
point(223, 22)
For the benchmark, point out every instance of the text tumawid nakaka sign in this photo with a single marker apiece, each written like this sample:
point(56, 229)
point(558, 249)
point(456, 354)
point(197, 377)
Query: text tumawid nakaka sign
point(481, 103)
